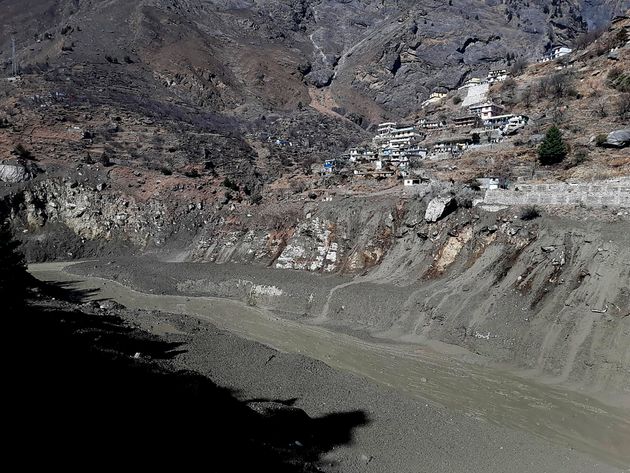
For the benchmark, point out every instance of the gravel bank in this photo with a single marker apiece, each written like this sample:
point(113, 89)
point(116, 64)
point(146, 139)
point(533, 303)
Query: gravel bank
point(402, 433)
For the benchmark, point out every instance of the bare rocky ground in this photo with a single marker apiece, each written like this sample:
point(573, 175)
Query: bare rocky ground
point(377, 59)
point(152, 386)
point(548, 295)
point(463, 255)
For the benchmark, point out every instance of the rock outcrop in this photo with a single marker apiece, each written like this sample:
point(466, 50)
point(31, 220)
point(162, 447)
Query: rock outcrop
point(618, 139)
point(439, 208)
point(14, 173)
point(378, 58)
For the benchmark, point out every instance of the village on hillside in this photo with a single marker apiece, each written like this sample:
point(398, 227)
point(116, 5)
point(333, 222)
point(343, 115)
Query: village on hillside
point(397, 149)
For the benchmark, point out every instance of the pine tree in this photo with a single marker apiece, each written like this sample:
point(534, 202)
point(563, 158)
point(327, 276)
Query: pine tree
point(14, 279)
point(553, 149)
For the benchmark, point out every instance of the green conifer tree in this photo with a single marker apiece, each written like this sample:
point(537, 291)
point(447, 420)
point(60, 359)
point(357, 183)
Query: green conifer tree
point(553, 149)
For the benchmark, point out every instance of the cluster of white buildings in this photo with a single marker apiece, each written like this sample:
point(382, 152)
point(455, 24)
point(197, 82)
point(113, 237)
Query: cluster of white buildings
point(495, 75)
point(390, 152)
point(396, 145)
point(400, 141)
point(493, 116)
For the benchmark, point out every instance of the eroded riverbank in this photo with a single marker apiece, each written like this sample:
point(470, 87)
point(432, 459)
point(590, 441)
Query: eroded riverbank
point(564, 417)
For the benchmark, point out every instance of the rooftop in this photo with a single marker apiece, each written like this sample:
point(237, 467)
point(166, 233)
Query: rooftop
point(483, 105)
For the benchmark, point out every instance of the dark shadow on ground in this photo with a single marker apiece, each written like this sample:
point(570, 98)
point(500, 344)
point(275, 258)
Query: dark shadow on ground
point(86, 393)
point(65, 290)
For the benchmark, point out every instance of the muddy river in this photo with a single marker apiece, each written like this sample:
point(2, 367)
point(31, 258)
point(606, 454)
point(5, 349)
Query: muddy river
point(497, 396)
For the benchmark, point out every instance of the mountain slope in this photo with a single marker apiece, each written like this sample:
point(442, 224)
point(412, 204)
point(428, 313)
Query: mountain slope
point(233, 56)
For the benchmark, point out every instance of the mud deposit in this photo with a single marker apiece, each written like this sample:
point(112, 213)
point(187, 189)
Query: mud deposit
point(497, 397)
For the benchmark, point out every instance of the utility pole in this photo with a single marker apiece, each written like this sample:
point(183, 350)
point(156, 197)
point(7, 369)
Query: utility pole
point(14, 68)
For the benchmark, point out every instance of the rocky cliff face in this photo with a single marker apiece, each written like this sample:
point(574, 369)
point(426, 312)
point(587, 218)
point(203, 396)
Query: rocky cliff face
point(373, 58)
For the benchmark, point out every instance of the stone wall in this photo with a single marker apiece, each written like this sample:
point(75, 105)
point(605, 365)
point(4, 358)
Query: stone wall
point(476, 94)
point(612, 194)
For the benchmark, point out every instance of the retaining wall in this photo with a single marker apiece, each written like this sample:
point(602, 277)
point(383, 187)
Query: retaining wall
point(594, 195)
point(476, 94)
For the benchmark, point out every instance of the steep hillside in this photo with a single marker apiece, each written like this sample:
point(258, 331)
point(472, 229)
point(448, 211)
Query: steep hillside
point(549, 295)
point(222, 88)
point(374, 59)
point(586, 94)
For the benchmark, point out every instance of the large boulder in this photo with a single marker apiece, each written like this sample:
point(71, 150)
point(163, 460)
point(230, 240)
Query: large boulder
point(321, 77)
point(439, 208)
point(618, 139)
point(14, 173)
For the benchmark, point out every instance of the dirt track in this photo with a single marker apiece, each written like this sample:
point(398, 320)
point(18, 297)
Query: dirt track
point(477, 399)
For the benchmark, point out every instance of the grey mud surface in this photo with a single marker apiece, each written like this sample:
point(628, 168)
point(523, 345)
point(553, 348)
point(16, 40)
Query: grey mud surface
point(428, 412)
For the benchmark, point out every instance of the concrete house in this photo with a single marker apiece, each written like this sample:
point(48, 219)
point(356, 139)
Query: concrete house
point(556, 53)
point(485, 110)
point(451, 144)
point(332, 166)
point(437, 95)
point(386, 128)
point(471, 83)
point(497, 121)
point(497, 75)
point(434, 98)
point(361, 154)
point(329, 165)
point(560, 51)
point(470, 120)
point(432, 124)
point(490, 183)
point(416, 152)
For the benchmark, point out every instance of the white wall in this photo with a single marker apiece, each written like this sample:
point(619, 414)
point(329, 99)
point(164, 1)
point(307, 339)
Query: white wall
point(590, 195)
point(476, 94)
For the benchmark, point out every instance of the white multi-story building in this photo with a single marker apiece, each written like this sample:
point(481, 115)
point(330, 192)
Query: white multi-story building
point(361, 154)
point(560, 51)
point(434, 98)
point(497, 121)
point(394, 136)
point(472, 82)
point(485, 110)
point(497, 75)
point(386, 128)
point(556, 53)
point(466, 121)
point(432, 124)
